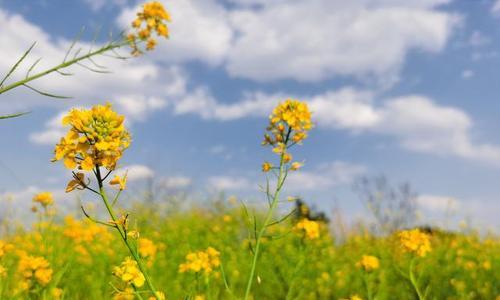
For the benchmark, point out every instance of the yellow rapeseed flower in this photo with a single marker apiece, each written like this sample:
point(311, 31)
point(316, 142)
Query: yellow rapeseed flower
point(44, 198)
point(288, 125)
point(309, 228)
point(35, 269)
point(266, 167)
point(129, 272)
point(146, 248)
point(154, 17)
point(369, 263)
point(97, 138)
point(121, 181)
point(415, 241)
point(201, 261)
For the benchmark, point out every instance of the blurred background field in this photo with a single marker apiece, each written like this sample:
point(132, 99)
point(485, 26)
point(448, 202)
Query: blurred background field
point(461, 265)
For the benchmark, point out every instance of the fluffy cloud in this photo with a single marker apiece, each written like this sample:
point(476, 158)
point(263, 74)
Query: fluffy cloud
point(175, 182)
point(136, 172)
point(332, 38)
point(495, 8)
point(199, 31)
point(325, 176)
point(228, 183)
point(416, 121)
point(139, 88)
point(434, 203)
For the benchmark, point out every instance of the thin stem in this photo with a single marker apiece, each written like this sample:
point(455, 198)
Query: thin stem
point(123, 234)
point(63, 65)
point(414, 282)
point(267, 220)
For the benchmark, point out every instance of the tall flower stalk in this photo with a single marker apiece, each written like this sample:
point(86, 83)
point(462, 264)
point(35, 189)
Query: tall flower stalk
point(94, 144)
point(288, 126)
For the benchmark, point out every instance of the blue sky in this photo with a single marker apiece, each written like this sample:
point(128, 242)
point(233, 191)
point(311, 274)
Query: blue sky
point(402, 88)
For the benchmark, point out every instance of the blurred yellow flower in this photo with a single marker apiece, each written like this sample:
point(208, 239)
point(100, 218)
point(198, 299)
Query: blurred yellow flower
point(154, 17)
point(369, 263)
point(35, 269)
point(129, 272)
point(44, 198)
point(415, 241)
point(201, 261)
point(266, 166)
point(309, 228)
point(146, 248)
point(121, 181)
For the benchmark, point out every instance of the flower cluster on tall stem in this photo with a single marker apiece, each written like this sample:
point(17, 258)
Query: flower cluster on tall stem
point(288, 126)
point(95, 142)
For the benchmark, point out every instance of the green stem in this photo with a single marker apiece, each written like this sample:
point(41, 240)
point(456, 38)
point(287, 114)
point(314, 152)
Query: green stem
point(124, 236)
point(414, 282)
point(274, 203)
point(63, 65)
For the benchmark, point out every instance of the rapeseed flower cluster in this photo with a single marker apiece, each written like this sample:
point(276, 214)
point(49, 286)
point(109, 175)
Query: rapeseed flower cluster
point(199, 261)
point(154, 18)
point(415, 241)
point(368, 263)
point(97, 138)
point(288, 125)
point(129, 273)
point(44, 198)
point(309, 228)
point(34, 269)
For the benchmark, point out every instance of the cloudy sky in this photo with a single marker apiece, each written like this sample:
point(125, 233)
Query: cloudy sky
point(405, 88)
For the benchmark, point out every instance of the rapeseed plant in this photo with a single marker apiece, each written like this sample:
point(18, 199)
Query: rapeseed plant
point(95, 142)
point(288, 126)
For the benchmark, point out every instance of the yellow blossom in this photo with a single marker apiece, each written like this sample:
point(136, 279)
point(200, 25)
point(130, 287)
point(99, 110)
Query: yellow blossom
point(201, 261)
point(368, 263)
point(296, 165)
point(96, 138)
point(146, 247)
point(44, 198)
point(415, 241)
point(35, 269)
point(121, 181)
point(266, 166)
point(309, 228)
point(154, 17)
point(129, 273)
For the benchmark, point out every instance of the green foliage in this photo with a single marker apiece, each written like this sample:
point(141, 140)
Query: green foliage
point(460, 265)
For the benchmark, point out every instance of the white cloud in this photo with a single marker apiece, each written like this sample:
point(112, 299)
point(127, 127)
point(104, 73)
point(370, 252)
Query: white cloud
point(199, 31)
point(424, 126)
point(478, 39)
point(435, 203)
point(416, 121)
point(325, 176)
point(136, 172)
point(52, 133)
point(175, 182)
point(495, 8)
point(225, 183)
point(333, 37)
point(130, 78)
point(138, 107)
point(466, 74)
point(97, 5)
